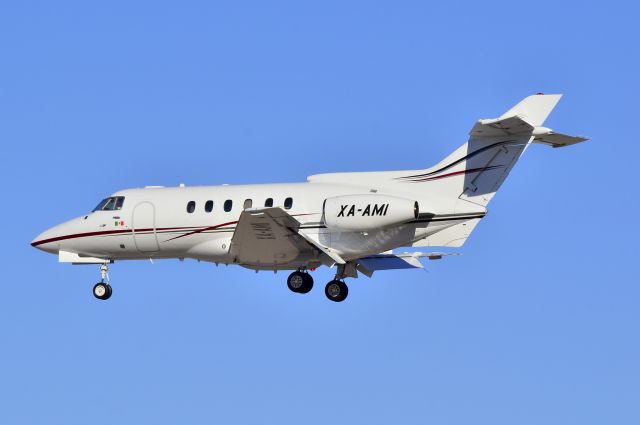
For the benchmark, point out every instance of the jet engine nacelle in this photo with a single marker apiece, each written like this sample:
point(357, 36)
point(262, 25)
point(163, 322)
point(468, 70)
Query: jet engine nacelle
point(358, 213)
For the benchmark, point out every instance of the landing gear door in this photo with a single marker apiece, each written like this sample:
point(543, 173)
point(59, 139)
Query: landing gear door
point(144, 227)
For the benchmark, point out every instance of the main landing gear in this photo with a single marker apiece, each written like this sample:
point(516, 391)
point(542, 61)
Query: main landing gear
point(301, 282)
point(336, 290)
point(102, 290)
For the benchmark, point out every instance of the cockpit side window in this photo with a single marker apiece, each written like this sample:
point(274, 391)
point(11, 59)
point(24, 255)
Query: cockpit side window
point(119, 202)
point(113, 203)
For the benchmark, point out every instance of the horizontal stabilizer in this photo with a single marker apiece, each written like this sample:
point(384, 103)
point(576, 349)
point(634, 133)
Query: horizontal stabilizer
point(558, 140)
point(513, 126)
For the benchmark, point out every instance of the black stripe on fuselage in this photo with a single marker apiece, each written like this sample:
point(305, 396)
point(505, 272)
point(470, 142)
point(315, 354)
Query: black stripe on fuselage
point(456, 162)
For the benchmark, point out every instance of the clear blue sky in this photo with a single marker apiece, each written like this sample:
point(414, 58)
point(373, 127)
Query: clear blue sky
point(537, 323)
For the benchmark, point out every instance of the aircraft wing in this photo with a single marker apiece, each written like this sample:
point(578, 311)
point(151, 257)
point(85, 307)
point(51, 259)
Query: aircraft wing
point(407, 260)
point(270, 236)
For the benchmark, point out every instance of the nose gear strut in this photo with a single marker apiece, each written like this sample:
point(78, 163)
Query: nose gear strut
point(102, 290)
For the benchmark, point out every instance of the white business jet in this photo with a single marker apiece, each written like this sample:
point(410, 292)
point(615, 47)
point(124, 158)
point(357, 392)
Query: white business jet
point(350, 221)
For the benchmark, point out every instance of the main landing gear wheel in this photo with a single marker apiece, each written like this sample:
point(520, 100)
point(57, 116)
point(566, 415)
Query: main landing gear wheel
point(336, 290)
point(102, 291)
point(300, 282)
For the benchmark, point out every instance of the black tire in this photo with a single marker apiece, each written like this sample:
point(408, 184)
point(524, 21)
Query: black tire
point(102, 291)
point(307, 285)
point(109, 292)
point(296, 281)
point(336, 290)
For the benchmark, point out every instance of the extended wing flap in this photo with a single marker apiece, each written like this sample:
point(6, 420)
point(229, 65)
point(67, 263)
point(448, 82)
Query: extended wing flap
point(328, 252)
point(270, 236)
point(266, 237)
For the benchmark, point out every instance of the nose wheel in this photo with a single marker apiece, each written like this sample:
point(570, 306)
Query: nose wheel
point(102, 290)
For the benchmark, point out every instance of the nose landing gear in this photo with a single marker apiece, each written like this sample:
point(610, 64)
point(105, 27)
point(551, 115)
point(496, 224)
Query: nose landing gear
point(102, 290)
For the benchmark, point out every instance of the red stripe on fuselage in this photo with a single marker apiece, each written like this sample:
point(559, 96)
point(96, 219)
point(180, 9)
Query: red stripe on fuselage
point(102, 233)
point(123, 231)
point(203, 230)
point(456, 173)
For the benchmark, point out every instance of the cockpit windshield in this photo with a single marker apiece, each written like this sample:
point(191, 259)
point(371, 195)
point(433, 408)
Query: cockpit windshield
point(113, 203)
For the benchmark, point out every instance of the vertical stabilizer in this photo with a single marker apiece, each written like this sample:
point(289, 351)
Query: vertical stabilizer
point(534, 109)
point(471, 176)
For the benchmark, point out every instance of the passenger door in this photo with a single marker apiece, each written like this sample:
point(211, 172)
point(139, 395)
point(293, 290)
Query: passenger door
point(144, 227)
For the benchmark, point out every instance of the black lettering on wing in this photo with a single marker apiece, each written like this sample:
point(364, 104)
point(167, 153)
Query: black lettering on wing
point(263, 231)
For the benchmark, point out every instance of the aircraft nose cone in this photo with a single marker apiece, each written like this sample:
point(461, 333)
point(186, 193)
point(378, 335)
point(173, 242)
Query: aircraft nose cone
point(45, 241)
point(59, 237)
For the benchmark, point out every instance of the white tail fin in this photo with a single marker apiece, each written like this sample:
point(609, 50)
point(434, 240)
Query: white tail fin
point(474, 172)
point(465, 181)
point(534, 109)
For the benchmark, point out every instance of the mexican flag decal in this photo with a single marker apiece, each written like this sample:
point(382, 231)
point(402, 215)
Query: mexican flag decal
point(120, 223)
